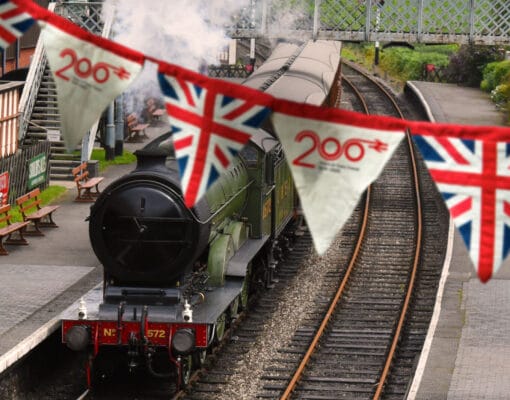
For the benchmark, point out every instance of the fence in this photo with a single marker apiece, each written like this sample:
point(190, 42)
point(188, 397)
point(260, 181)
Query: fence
point(17, 166)
point(230, 71)
point(432, 73)
point(426, 21)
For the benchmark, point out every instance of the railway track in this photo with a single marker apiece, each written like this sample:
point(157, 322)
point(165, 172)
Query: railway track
point(353, 359)
point(371, 312)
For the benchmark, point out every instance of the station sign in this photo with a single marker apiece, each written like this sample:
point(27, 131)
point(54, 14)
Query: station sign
point(37, 170)
point(53, 135)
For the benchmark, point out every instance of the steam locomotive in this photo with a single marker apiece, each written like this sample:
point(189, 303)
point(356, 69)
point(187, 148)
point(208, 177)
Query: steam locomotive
point(175, 277)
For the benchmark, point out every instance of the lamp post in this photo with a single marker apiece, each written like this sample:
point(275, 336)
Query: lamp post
point(379, 5)
point(252, 40)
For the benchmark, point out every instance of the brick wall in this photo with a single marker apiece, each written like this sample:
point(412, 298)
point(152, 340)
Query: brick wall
point(24, 60)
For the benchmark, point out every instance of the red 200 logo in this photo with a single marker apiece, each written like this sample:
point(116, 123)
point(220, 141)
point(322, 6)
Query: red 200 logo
point(331, 149)
point(83, 68)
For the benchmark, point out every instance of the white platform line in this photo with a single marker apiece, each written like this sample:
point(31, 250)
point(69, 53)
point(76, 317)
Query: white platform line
point(28, 344)
point(424, 103)
point(420, 369)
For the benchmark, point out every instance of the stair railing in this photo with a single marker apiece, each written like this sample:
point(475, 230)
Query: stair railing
point(32, 85)
point(84, 14)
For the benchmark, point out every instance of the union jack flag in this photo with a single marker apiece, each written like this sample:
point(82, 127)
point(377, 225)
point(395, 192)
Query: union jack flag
point(14, 22)
point(211, 121)
point(473, 177)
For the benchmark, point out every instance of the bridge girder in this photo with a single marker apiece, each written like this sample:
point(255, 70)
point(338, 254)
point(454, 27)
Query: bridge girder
point(416, 21)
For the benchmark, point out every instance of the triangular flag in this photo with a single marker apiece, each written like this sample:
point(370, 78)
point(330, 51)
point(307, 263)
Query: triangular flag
point(473, 176)
point(333, 156)
point(89, 72)
point(212, 120)
point(15, 20)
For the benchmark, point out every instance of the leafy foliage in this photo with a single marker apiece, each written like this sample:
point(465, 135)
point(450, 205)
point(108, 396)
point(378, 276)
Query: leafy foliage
point(496, 80)
point(494, 74)
point(466, 66)
point(408, 63)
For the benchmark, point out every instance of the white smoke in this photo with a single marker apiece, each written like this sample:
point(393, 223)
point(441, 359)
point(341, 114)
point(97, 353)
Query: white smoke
point(184, 32)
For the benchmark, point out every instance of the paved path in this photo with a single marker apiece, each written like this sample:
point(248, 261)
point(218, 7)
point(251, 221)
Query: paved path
point(469, 357)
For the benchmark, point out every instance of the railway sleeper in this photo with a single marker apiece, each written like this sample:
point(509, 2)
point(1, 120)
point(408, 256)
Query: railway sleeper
point(337, 390)
point(325, 379)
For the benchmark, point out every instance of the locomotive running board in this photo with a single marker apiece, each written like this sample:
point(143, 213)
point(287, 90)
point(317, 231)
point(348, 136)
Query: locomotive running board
point(217, 301)
point(238, 264)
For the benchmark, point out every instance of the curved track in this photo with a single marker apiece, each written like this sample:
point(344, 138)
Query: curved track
point(375, 305)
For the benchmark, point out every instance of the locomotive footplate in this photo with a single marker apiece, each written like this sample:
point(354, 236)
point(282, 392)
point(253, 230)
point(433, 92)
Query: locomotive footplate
point(108, 324)
point(217, 300)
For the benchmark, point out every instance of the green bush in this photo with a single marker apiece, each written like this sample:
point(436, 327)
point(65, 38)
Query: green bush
point(466, 66)
point(494, 74)
point(408, 64)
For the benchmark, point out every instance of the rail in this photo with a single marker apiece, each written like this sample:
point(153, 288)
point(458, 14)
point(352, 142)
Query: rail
point(412, 279)
point(315, 341)
point(396, 334)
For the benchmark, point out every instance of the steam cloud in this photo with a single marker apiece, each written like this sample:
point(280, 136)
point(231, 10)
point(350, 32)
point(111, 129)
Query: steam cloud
point(184, 32)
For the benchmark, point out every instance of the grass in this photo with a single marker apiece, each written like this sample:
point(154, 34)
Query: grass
point(99, 154)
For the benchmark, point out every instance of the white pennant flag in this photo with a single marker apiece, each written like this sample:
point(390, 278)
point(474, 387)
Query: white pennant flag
point(89, 72)
point(332, 164)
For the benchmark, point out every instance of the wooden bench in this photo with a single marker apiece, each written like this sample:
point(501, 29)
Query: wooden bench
point(9, 229)
point(157, 114)
point(30, 207)
point(136, 130)
point(84, 184)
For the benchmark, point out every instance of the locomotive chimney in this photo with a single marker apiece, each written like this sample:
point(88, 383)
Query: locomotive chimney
point(151, 160)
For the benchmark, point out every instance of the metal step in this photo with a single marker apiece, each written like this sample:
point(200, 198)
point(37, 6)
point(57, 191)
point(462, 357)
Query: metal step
point(47, 123)
point(61, 177)
point(59, 164)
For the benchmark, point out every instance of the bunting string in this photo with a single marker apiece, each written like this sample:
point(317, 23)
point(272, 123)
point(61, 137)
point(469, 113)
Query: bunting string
point(212, 119)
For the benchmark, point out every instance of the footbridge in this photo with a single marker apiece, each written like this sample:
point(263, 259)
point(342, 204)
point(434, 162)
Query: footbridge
point(426, 21)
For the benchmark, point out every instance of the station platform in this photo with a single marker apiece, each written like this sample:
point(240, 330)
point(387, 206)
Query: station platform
point(467, 351)
point(39, 281)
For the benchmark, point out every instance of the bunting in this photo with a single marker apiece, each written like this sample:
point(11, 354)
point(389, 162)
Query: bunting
point(89, 72)
point(14, 22)
point(333, 154)
point(473, 176)
point(333, 157)
point(211, 121)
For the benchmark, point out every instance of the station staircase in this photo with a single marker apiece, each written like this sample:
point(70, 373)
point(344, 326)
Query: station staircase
point(45, 125)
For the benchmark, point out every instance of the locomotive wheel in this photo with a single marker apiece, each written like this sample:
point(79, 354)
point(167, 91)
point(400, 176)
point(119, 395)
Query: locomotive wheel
point(220, 327)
